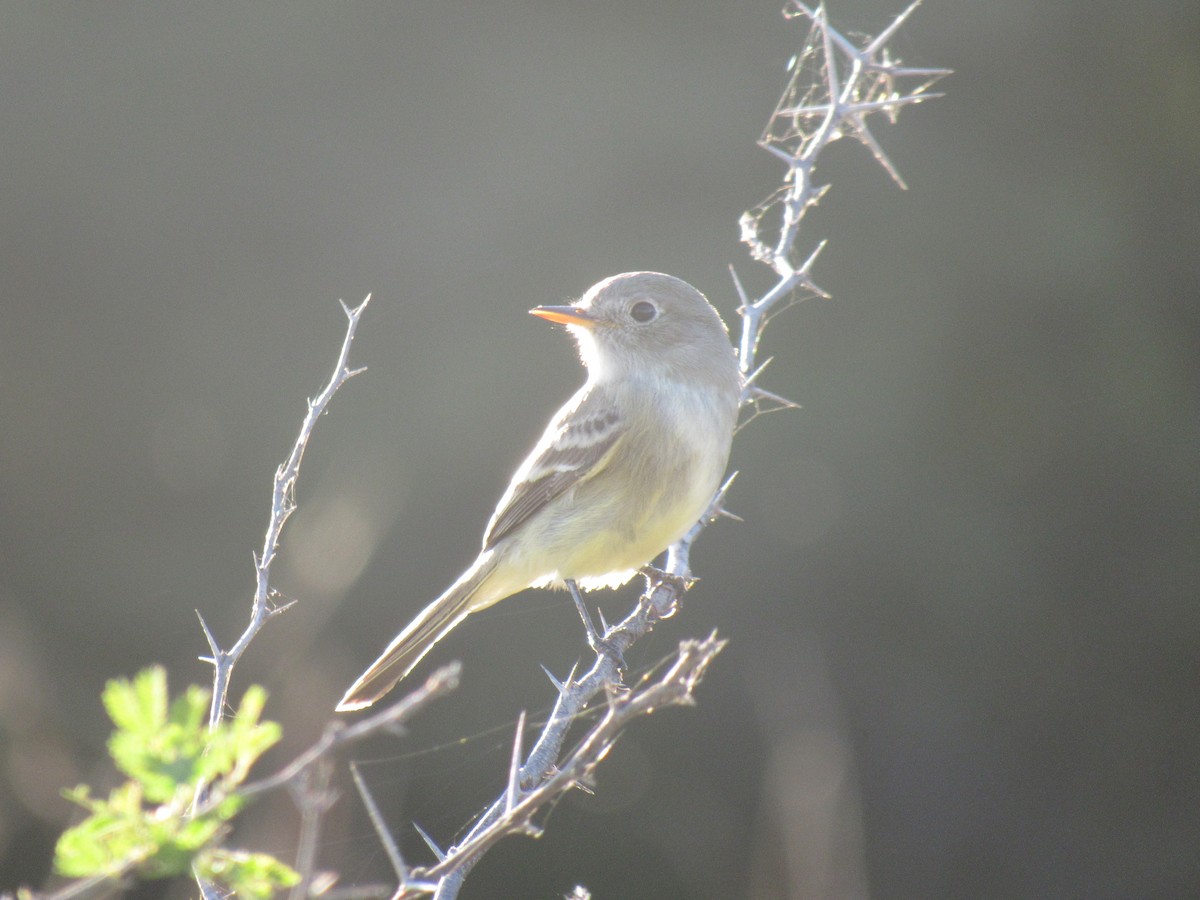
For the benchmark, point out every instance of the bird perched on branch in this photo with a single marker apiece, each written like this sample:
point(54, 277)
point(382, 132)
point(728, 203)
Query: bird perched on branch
point(622, 471)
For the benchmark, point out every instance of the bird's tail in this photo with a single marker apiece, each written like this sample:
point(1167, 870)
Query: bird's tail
point(432, 624)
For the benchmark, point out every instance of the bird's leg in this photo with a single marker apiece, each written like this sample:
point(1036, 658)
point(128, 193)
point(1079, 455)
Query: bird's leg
point(594, 639)
point(590, 627)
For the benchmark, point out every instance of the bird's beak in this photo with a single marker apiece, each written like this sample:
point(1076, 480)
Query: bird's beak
point(564, 315)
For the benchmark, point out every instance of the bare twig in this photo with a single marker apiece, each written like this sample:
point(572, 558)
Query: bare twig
point(338, 734)
point(308, 775)
point(313, 797)
point(283, 504)
point(264, 607)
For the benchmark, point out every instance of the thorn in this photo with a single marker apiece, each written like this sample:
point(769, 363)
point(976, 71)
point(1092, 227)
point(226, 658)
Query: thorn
point(743, 297)
point(437, 851)
point(571, 675)
point(753, 376)
point(808, 111)
point(276, 610)
point(863, 133)
point(888, 33)
point(358, 310)
point(782, 152)
point(808, 264)
point(512, 794)
point(832, 82)
point(719, 500)
point(350, 373)
point(923, 93)
point(784, 402)
point(381, 829)
point(212, 641)
point(558, 685)
point(603, 622)
point(821, 21)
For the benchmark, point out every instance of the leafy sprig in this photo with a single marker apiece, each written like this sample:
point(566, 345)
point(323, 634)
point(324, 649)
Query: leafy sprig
point(171, 815)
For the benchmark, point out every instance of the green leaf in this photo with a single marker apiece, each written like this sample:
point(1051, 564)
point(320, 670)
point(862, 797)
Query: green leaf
point(256, 875)
point(80, 794)
point(176, 850)
point(148, 825)
point(140, 705)
point(86, 849)
point(108, 841)
point(240, 741)
point(190, 712)
point(159, 747)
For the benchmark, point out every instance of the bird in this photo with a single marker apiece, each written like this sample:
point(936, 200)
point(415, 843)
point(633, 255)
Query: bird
point(622, 471)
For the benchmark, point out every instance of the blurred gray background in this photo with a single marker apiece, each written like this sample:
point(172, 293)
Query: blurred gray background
point(963, 607)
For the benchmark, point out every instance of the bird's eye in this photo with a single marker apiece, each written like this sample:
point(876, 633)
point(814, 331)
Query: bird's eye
point(643, 311)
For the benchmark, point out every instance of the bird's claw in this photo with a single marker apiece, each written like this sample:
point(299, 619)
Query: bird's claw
point(655, 576)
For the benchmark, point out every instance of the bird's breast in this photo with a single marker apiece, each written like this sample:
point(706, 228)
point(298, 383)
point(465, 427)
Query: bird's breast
point(656, 486)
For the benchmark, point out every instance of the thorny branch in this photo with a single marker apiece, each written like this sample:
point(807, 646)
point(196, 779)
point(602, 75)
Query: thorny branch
point(308, 775)
point(521, 804)
point(834, 87)
point(283, 504)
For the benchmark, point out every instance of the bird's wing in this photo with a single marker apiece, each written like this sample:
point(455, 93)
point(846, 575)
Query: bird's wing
point(573, 448)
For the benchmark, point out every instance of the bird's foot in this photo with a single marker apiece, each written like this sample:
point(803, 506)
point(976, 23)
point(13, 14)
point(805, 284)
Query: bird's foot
point(676, 585)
